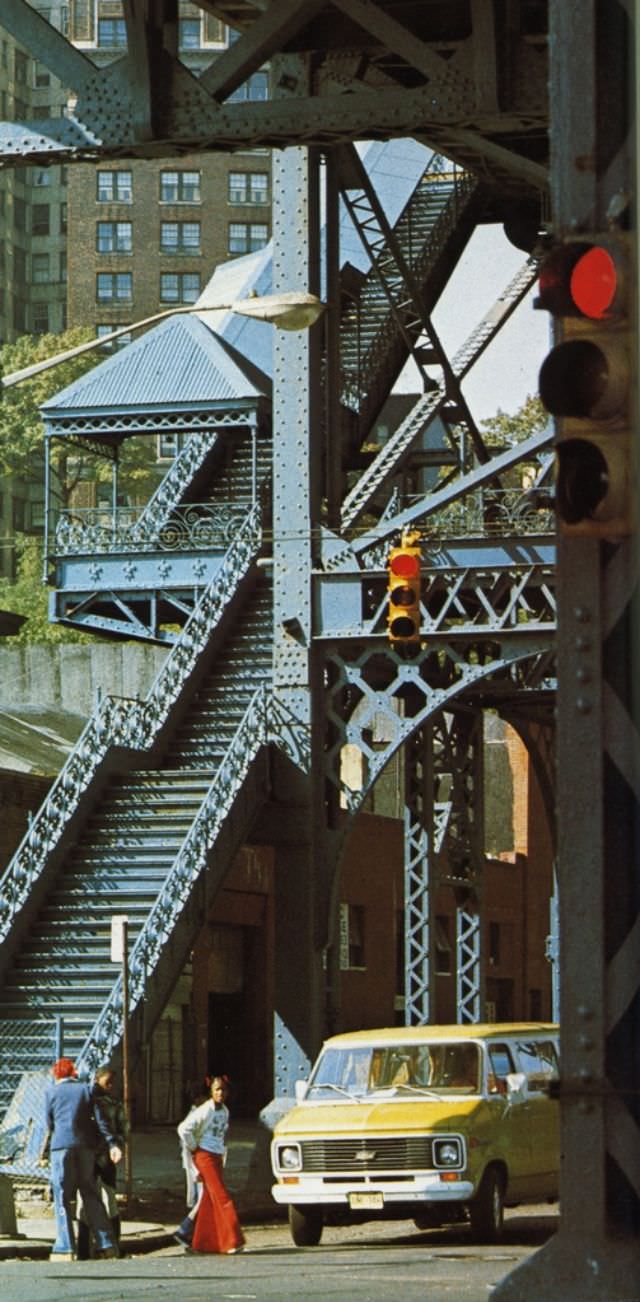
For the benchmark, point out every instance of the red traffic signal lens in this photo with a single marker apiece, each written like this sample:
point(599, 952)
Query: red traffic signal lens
point(405, 565)
point(594, 283)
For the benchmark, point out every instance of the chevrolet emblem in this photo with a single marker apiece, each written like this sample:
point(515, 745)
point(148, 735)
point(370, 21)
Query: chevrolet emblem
point(364, 1155)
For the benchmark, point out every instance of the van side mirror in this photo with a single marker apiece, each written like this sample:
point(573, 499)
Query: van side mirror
point(301, 1087)
point(516, 1086)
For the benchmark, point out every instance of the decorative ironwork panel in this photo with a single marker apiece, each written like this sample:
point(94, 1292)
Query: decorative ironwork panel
point(198, 526)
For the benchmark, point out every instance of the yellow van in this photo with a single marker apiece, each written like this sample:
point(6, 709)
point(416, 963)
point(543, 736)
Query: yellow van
point(433, 1123)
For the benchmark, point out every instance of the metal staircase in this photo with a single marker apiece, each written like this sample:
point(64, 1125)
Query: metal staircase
point(155, 838)
point(125, 856)
point(433, 229)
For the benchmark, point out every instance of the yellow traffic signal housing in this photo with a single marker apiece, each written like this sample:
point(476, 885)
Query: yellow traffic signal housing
point(404, 574)
point(586, 382)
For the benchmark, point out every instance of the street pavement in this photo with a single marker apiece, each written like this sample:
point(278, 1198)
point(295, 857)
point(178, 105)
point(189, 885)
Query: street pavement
point(374, 1262)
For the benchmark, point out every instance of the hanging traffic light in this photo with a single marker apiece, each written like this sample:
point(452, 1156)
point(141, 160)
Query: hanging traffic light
point(586, 382)
point(403, 567)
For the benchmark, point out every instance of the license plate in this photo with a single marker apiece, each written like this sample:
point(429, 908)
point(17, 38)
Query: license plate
point(368, 1202)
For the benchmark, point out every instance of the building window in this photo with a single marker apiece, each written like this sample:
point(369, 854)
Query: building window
point(40, 269)
point(115, 187)
point(114, 287)
point(190, 34)
point(114, 237)
point(63, 267)
point(168, 446)
point(248, 187)
point(21, 66)
point(494, 944)
point(180, 237)
point(179, 287)
point(41, 176)
point(352, 951)
point(443, 952)
point(40, 318)
point(180, 187)
point(40, 219)
point(106, 329)
point(42, 77)
point(19, 215)
point(256, 87)
point(112, 33)
point(63, 218)
point(245, 237)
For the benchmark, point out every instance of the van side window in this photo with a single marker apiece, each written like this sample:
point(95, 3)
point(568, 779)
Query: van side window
point(500, 1065)
point(539, 1062)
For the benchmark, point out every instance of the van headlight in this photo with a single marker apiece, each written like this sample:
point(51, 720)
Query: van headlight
point(447, 1152)
point(289, 1157)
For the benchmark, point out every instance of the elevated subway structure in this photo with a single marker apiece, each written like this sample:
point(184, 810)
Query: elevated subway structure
point(472, 82)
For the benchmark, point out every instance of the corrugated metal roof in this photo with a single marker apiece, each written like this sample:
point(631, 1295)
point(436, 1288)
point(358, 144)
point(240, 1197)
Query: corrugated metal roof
point(179, 362)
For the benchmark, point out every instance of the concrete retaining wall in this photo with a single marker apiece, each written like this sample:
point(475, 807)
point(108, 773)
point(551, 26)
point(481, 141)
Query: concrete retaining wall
point(70, 676)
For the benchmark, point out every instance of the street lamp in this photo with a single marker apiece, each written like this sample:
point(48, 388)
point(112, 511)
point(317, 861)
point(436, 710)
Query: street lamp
point(295, 310)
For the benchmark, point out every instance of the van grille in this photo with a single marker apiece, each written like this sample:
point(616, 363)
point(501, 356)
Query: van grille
point(400, 1153)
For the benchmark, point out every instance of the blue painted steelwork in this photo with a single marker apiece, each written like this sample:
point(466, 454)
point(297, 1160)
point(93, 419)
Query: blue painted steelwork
point(321, 654)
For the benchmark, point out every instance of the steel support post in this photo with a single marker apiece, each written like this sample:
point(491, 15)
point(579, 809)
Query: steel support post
point(296, 407)
point(595, 1257)
point(419, 869)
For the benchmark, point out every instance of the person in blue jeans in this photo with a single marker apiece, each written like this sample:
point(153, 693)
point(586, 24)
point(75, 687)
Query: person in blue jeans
point(76, 1127)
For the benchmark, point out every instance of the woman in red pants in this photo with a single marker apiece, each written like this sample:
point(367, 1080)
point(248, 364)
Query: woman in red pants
point(203, 1132)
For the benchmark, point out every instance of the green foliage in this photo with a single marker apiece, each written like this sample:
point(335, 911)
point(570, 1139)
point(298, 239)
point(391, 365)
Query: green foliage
point(22, 429)
point(504, 429)
point(28, 596)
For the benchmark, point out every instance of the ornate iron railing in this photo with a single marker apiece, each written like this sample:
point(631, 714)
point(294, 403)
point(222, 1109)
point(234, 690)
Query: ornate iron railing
point(252, 733)
point(177, 479)
point(99, 531)
point(123, 722)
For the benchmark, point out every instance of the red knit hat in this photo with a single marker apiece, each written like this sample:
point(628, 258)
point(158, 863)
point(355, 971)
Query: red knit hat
point(63, 1067)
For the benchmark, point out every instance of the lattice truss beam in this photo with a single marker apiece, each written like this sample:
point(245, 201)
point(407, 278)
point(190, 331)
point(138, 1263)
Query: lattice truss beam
point(471, 81)
point(443, 846)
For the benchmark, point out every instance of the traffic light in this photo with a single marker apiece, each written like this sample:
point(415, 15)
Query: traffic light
point(403, 566)
point(586, 381)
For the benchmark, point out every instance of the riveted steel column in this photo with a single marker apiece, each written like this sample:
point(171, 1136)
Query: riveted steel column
point(419, 872)
point(595, 1257)
point(296, 412)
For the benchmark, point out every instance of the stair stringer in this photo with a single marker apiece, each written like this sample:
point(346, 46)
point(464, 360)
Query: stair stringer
point(118, 731)
point(237, 793)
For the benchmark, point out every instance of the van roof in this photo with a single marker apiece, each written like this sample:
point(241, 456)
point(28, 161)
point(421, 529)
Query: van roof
point(391, 1035)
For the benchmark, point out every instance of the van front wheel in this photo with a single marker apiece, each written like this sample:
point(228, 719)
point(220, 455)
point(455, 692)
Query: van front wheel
point(305, 1224)
point(487, 1209)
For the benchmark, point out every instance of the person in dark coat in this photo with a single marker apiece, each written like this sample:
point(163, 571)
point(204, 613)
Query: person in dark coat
point(76, 1127)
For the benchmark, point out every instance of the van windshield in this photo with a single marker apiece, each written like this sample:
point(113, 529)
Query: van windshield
point(408, 1068)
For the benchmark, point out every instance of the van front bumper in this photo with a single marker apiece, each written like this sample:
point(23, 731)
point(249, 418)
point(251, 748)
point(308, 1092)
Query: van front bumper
point(343, 1191)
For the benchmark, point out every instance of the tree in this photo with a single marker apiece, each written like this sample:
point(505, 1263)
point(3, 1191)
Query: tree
point(504, 429)
point(27, 595)
point(22, 429)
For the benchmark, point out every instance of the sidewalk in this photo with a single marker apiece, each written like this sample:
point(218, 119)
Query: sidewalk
point(158, 1193)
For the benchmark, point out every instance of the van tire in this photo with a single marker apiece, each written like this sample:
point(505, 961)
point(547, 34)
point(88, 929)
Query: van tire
point(305, 1224)
point(486, 1211)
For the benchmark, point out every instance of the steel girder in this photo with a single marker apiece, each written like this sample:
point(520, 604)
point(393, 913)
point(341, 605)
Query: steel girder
point(472, 82)
point(443, 845)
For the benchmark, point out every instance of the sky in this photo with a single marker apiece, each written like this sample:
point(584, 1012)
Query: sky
point(507, 372)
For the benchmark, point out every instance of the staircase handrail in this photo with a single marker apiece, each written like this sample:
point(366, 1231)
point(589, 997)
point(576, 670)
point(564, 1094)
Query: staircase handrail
point(428, 405)
point(251, 734)
point(179, 475)
point(120, 721)
point(368, 362)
